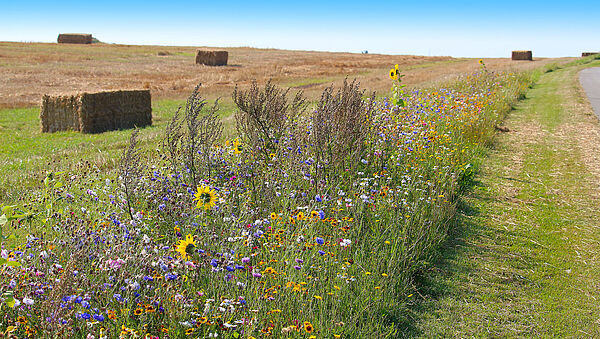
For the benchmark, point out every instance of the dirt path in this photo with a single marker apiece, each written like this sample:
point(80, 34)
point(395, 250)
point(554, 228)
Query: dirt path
point(525, 259)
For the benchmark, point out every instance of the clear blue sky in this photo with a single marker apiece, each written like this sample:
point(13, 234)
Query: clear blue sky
point(455, 28)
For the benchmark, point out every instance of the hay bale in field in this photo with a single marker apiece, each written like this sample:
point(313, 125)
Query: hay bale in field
point(59, 113)
point(211, 58)
point(585, 54)
point(522, 55)
point(74, 38)
point(96, 112)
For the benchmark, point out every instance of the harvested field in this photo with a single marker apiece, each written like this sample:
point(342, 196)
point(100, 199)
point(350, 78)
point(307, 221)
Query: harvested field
point(30, 70)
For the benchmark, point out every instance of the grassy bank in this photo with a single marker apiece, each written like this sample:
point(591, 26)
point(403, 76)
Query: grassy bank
point(523, 261)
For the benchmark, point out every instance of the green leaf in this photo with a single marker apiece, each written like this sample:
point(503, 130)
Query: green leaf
point(12, 263)
point(10, 301)
point(3, 261)
point(58, 184)
point(8, 209)
point(3, 219)
point(47, 182)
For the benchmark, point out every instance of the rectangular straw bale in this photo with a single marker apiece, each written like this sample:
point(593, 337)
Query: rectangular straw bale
point(96, 112)
point(74, 38)
point(585, 54)
point(211, 58)
point(59, 113)
point(522, 55)
point(107, 111)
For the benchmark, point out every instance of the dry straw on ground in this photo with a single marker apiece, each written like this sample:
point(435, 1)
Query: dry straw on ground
point(96, 112)
point(522, 55)
point(585, 54)
point(211, 58)
point(74, 38)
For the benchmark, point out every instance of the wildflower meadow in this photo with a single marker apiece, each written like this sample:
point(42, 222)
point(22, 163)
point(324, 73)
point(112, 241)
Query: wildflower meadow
point(310, 223)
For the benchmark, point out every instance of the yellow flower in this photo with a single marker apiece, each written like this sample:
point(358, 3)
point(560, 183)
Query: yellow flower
point(236, 146)
point(318, 297)
point(481, 61)
point(308, 327)
point(394, 74)
point(186, 246)
point(396, 68)
point(300, 215)
point(206, 197)
point(274, 216)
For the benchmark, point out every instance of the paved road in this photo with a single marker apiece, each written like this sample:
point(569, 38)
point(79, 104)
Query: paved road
point(590, 81)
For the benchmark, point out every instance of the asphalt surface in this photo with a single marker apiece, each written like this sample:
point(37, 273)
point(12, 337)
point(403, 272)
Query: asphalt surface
point(590, 81)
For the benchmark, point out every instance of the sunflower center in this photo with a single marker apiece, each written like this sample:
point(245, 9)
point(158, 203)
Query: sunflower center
point(205, 197)
point(190, 248)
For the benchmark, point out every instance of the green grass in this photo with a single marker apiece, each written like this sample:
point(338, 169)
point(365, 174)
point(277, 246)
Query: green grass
point(523, 260)
point(27, 153)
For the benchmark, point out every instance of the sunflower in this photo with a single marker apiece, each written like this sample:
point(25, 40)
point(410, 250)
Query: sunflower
point(274, 216)
point(186, 247)
point(138, 311)
point(206, 197)
point(481, 61)
point(394, 74)
point(236, 146)
point(189, 331)
point(308, 327)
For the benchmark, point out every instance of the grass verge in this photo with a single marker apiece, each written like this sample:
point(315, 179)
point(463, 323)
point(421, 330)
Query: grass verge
point(524, 258)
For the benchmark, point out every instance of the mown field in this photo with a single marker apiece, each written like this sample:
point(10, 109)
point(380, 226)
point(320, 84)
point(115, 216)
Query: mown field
point(275, 216)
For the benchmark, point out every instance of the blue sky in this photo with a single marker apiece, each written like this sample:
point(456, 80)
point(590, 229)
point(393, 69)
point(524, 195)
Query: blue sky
point(455, 28)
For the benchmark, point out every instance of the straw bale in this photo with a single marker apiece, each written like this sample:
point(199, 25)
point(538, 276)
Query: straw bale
point(59, 113)
point(211, 58)
point(96, 112)
point(74, 38)
point(585, 54)
point(522, 55)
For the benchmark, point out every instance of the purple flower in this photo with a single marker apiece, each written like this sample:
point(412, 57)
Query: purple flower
point(321, 215)
point(321, 252)
point(318, 198)
point(256, 275)
point(229, 268)
point(299, 261)
point(214, 263)
point(319, 241)
point(85, 316)
point(171, 276)
point(297, 267)
point(245, 260)
point(99, 317)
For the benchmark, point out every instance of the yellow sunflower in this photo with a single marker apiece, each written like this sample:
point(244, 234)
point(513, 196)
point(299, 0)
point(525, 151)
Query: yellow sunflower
point(186, 246)
point(236, 146)
point(206, 197)
point(394, 74)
